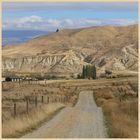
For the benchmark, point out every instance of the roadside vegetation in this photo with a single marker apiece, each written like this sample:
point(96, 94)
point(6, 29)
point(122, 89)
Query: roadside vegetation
point(26, 105)
point(22, 124)
point(120, 107)
point(118, 97)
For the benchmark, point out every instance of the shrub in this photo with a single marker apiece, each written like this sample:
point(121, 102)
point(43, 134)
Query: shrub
point(108, 72)
point(8, 79)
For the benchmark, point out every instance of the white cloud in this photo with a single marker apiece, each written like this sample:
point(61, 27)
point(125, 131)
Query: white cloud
point(121, 21)
point(53, 22)
point(24, 22)
point(30, 19)
point(68, 22)
point(40, 23)
point(78, 23)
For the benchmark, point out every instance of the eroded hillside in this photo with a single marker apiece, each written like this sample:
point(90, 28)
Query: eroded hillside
point(66, 51)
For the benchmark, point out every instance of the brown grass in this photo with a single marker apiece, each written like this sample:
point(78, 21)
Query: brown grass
point(54, 91)
point(123, 122)
point(121, 116)
point(25, 123)
point(7, 86)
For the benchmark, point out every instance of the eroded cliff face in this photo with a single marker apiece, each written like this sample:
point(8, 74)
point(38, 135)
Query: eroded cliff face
point(66, 52)
point(125, 58)
point(30, 62)
point(68, 62)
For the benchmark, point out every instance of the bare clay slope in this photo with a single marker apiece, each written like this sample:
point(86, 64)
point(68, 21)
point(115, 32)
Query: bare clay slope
point(85, 120)
point(68, 50)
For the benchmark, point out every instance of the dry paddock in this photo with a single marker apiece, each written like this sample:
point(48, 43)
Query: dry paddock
point(115, 96)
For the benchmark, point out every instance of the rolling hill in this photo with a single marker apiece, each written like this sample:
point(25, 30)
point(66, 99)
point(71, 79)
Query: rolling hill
point(66, 51)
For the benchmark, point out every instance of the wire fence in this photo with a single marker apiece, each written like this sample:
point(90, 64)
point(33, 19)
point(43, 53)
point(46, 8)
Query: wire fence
point(15, 106)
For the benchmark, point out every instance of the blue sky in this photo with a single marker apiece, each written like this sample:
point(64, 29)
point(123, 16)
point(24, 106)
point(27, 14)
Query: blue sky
point(49, 16)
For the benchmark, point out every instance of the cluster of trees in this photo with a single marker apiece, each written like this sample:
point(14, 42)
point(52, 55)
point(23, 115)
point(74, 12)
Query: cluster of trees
point(89, 71)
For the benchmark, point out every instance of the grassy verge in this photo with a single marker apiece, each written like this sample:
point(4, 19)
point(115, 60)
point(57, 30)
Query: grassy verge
point(21, 125)
point(121, 117)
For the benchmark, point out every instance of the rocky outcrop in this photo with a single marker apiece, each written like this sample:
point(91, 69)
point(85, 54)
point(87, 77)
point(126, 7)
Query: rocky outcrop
point(67, 62)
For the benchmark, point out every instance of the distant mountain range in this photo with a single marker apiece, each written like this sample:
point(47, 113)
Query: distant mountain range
point(19, 36)
point(65, 52)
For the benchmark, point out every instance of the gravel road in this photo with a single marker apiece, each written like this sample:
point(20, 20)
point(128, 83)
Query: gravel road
point(85, 120)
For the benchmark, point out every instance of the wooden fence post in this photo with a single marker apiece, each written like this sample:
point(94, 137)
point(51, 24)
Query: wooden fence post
point(137, 94)
point(65, 99)
point(61, 99)
point(27, 105)
point(35, 101)
point(15, 109)
point(42, 99)
point(48, 100)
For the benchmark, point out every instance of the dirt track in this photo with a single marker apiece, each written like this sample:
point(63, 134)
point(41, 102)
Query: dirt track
point(85, 120)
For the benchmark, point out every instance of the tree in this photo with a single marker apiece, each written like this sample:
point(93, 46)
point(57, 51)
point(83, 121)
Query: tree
point(94, 72)
point(78, 76)
point(84, 72)
point(89, 71)
point(8, 79)
point(108, 72)
point(57, 30)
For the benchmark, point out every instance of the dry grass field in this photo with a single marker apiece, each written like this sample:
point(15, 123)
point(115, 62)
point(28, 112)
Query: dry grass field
point(120, 107)
point(38, 102)
point(35, 102)
point(16, 127)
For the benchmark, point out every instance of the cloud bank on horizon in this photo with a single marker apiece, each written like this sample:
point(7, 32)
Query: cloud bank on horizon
point(49, 16)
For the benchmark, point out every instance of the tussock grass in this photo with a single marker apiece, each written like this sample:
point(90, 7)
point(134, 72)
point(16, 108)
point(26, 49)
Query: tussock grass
point(123, 122)
point(27, 122)
point(121, 116)
point(7, 86)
